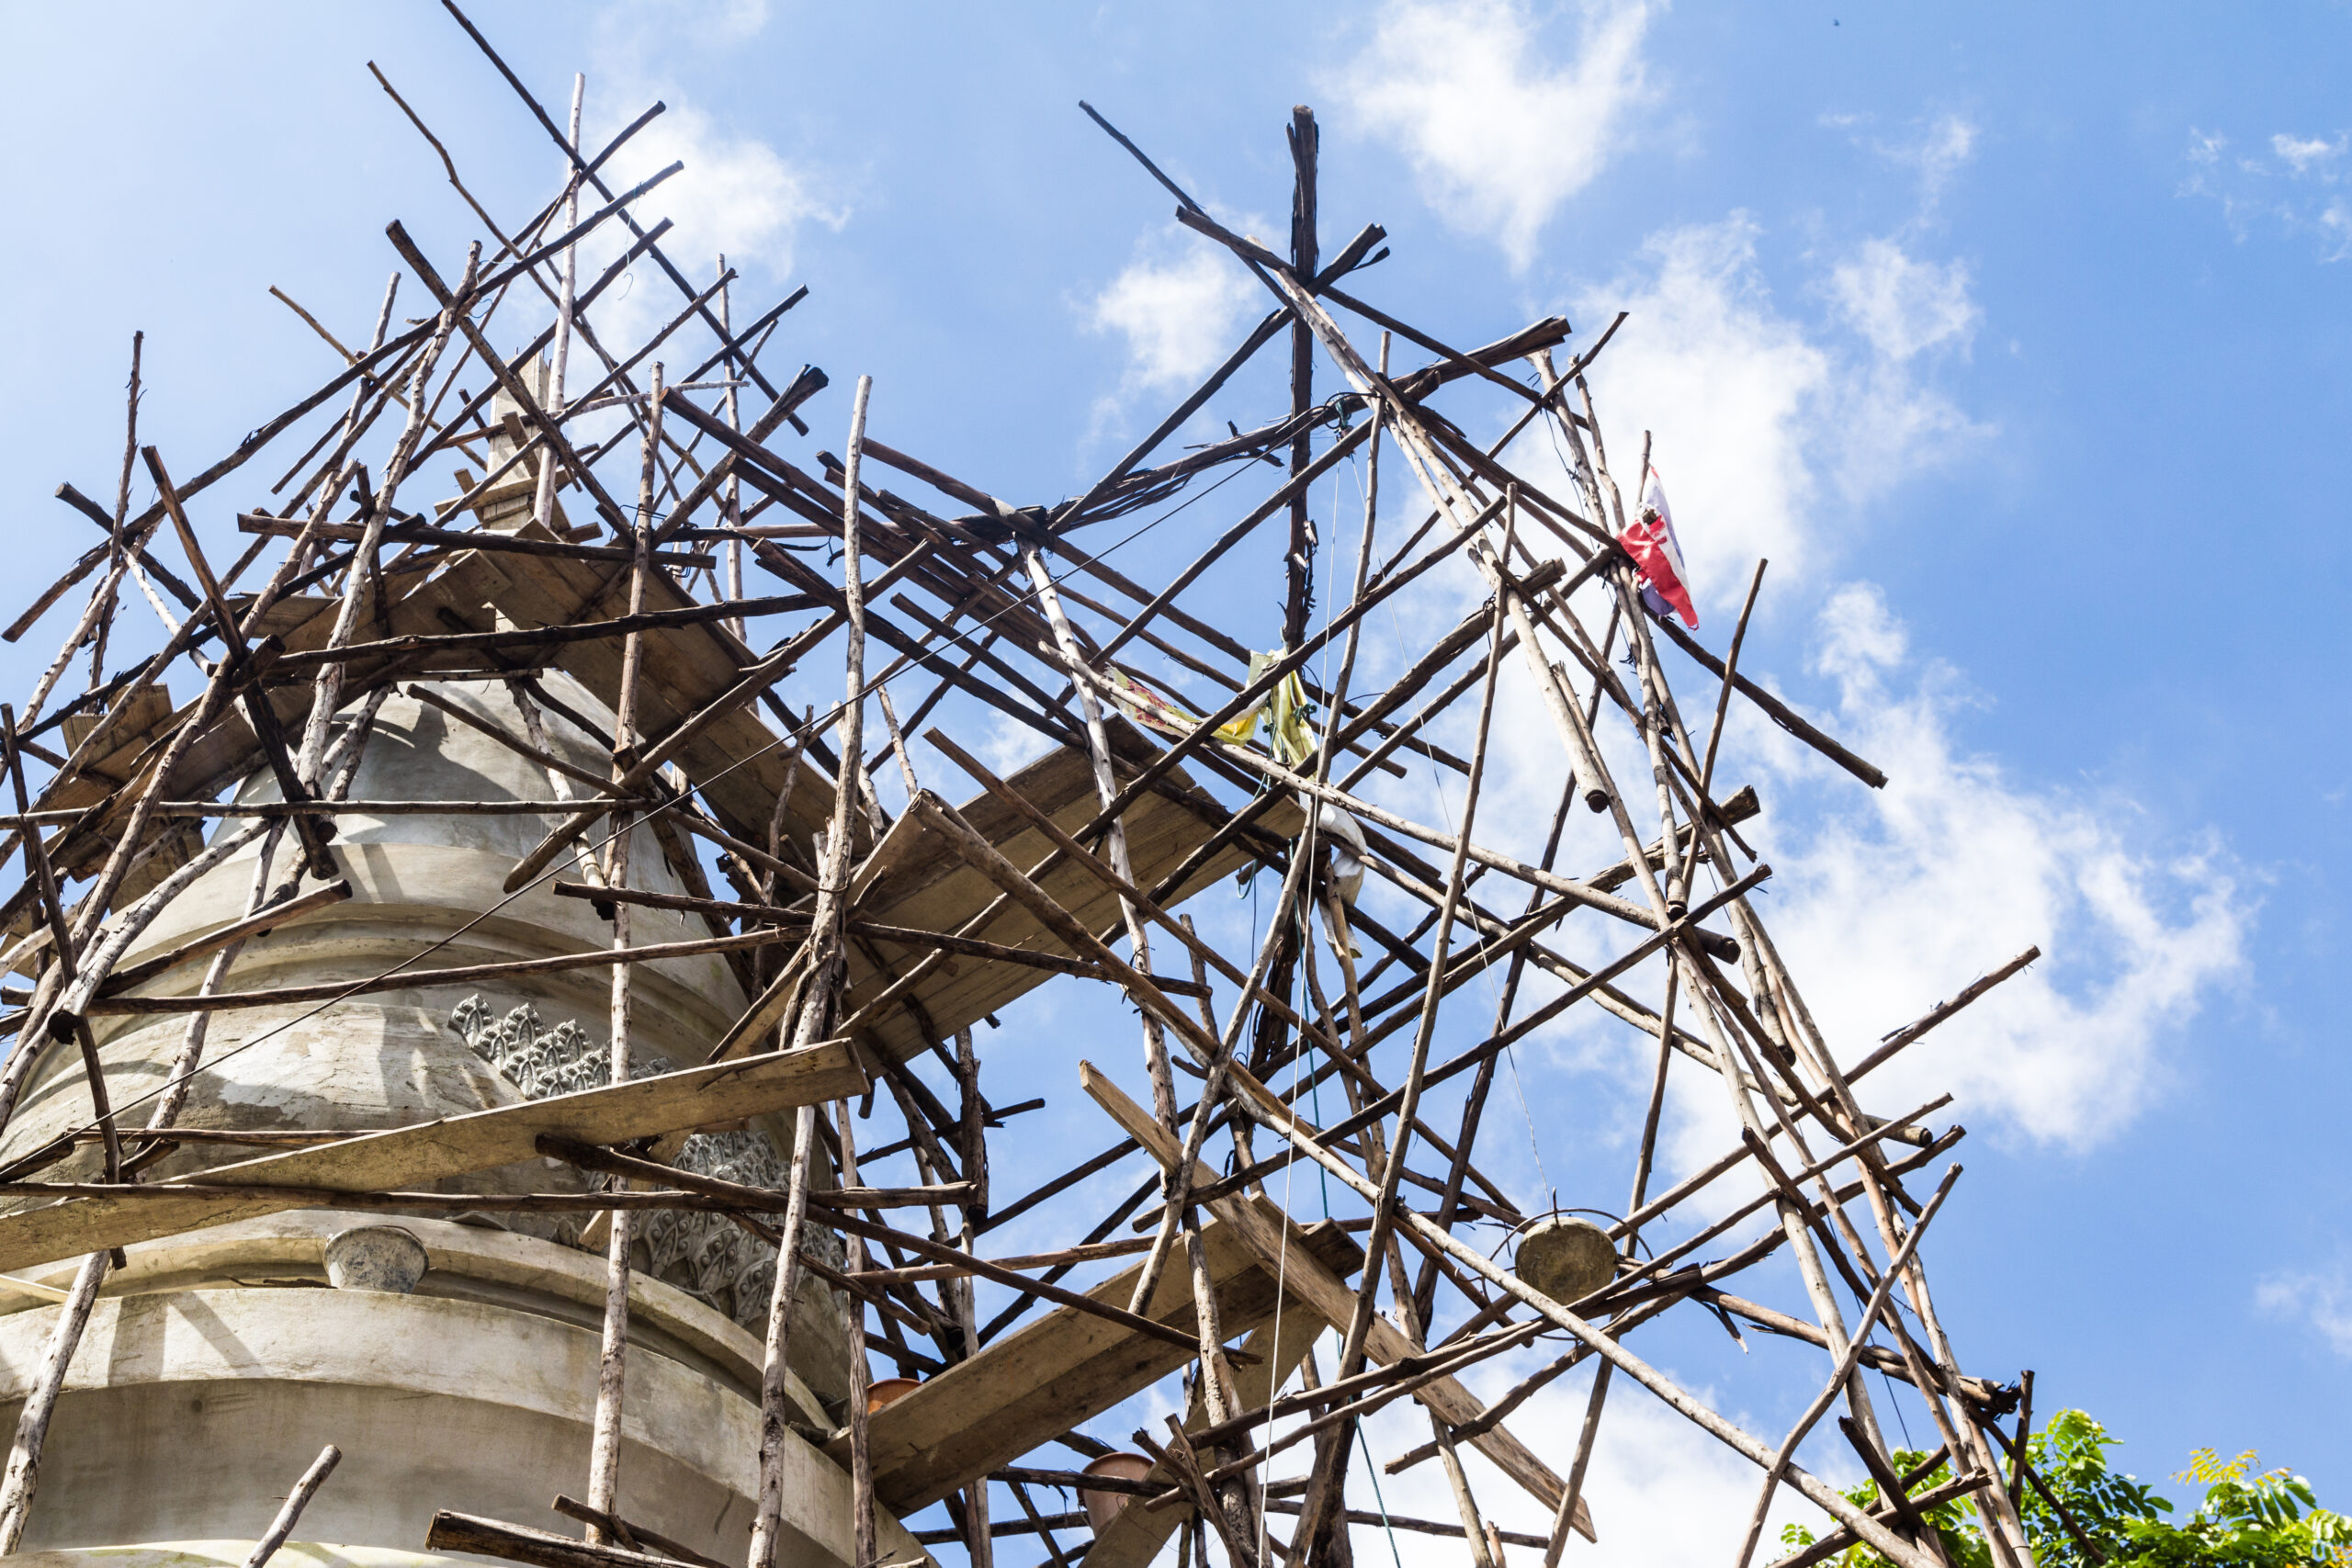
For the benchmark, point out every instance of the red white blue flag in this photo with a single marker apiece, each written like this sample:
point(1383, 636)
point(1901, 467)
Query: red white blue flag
point(1650, 541)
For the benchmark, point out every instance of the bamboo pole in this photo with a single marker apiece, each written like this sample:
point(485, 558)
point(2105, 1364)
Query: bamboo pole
point(1847, 1365)
point(1385, 1204)
point(1731, 669)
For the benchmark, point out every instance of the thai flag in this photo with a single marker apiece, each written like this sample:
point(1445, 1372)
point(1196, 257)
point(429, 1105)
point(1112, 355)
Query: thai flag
point(1650, 541)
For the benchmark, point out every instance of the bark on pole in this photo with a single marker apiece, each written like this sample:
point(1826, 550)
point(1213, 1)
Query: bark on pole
point(814, 1015)
point(612, 1363)
point(543, 495)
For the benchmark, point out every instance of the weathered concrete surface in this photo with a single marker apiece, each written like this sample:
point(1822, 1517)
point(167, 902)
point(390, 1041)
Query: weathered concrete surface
point(187, 1406)
point(464, 1262)
point(220, 1362)
point(426, 888)
point(229, 1554)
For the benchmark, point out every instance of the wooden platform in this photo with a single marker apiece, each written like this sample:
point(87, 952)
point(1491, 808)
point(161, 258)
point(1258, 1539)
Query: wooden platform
point(1068, 1367)
point(920, 883)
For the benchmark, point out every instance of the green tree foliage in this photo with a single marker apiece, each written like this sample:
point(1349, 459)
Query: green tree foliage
point(2246, 1519)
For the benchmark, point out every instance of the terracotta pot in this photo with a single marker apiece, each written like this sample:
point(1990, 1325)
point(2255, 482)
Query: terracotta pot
point(888, 1390)
point(1102, 1508)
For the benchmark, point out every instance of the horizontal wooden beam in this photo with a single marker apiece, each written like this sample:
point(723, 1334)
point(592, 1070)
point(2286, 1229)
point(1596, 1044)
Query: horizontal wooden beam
point(453, 1145)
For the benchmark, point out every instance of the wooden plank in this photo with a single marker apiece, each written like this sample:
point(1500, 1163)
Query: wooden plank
point(479, 1537)
point(287, 614)
point(226, 752)
point(117, 747)
point(129, 753)
point(924, 886)
point(1134, 1536)
point(1069, 1365)
point(454, 1145)
point(737, 760)
point(116, 741)
point(1446, 1398)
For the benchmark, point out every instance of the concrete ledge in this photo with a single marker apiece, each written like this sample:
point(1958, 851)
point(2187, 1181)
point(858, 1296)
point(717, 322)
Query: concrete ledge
point(214, 1399)
point(229, 1554)
point(522, 1272)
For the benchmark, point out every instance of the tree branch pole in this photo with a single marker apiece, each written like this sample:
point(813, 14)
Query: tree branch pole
point(604, 1451)
point(1114, 838)
point(1177, 1179)
point(543, 496)
point(1731, 669)
point(326, 690)
point(975, 1209)
point(296, 1501)
point(861, 1454)
point(1588, 1434)
point(775, 1395)
point(1847, 1365)
point(106, 593)
point(814, 1014)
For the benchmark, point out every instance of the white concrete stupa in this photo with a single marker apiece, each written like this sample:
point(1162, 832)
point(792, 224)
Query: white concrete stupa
point(220, 1359)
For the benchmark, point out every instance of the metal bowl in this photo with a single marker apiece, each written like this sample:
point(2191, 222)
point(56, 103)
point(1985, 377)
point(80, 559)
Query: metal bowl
point(1566, 1257)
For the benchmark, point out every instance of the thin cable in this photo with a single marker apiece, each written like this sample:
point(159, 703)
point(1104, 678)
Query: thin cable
point(1372, 1472)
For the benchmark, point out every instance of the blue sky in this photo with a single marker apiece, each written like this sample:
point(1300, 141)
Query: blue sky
point(2014, 336)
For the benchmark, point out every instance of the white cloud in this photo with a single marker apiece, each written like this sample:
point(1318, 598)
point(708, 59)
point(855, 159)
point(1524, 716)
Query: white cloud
point(1941, 150)
point(1178, 308)
point(1948, 144)
point(1886, 903)
point(737, 196)
point(2304, 153)
point(2322, 1299)
point(2297, 190)
point(1903, 305)
point(1726, 383)
point(1753, 416)
point(2335, 220)
point(1499, 129)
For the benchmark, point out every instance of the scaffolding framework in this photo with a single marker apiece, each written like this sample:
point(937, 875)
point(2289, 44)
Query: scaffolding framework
point(1167, 755)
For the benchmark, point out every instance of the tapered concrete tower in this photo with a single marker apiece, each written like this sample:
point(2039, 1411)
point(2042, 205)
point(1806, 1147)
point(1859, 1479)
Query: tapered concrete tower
point(453, 1359)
